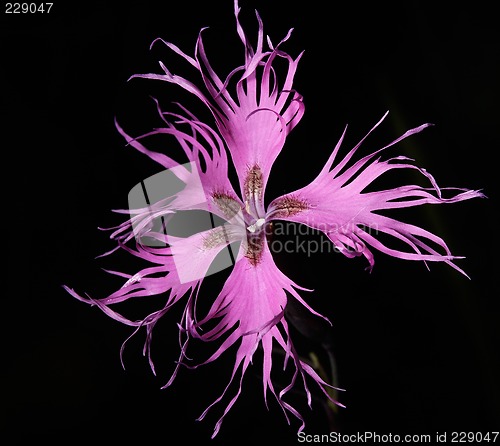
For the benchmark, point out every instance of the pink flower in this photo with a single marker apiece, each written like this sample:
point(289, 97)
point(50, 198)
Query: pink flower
point(253, 122)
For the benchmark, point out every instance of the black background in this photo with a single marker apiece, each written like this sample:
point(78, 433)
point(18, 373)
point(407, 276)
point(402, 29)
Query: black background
point(417, 350)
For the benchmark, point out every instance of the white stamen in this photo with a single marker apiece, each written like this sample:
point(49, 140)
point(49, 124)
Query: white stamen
point(257, 224)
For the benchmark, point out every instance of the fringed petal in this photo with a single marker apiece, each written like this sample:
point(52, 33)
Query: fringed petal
point(253, 139)
point(250, 309)
point(336, 203)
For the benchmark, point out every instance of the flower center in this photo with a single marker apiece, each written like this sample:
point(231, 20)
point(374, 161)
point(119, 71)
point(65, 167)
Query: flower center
point(254, 227)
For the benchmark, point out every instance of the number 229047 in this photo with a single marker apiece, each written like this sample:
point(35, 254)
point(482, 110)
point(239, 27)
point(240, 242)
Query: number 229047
point(28, 8)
